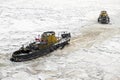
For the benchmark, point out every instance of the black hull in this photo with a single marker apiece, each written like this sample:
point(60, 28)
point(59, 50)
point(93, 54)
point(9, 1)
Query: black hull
point(104, 20)
point(37, 53)
point(27, 57)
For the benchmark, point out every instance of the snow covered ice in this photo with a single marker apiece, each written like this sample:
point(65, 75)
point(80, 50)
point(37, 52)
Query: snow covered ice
point(93, 53)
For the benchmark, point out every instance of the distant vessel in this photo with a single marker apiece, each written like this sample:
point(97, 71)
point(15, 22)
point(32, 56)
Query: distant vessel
point(42, 46)
point(104, 18)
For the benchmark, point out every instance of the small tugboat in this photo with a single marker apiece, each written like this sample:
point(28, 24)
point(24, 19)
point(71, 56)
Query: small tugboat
point(103, 17)
point(41, 46)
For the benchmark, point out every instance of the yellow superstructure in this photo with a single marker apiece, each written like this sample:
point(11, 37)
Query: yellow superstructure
point(103, 13)
point(49, 38)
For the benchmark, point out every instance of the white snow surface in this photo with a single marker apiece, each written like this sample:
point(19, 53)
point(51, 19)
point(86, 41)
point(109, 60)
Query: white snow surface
point(94, 50)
